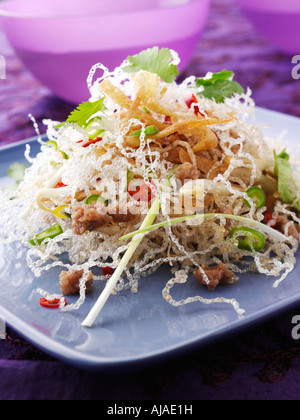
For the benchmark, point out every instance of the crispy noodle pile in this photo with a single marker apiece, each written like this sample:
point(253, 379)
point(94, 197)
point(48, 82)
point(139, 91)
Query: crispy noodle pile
point(211, 141)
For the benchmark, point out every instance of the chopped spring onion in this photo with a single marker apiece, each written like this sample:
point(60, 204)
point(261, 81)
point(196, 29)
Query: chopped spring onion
point(50, 233)
point(97, 134)
point(258, 195)
point(90, 319)
point(253, 223)
point(130, 176)
point(149, 131)
point(96, 199)
point(53, 144)
point(54, 164)
point(251, 238)
point(64, 155)
point(148, 222)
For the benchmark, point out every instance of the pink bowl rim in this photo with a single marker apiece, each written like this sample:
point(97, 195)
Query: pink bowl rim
point(9, 14)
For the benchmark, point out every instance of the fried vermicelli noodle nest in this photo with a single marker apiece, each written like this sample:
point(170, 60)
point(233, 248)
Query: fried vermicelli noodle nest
point(97, 174)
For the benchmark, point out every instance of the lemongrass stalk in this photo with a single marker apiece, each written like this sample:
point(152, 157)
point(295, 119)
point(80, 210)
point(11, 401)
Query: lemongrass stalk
point(250, 222)
point(111, 284)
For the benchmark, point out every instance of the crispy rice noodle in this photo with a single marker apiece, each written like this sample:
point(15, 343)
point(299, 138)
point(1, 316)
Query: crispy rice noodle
point(222, 147)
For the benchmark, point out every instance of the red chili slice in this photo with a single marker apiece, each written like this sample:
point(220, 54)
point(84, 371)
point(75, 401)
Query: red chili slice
point(92, 142)
point(193, 100)
point(143, 193)
point(107, 271)
point(268, 216)
point(89, 142)
point(53, 304)
point(134, 187)
point(60, 184)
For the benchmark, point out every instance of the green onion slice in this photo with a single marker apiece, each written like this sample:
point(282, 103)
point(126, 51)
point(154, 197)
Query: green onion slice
point(96, 134)
point(50, 233)
point(64, 155)
point(130, 176)
point(275, 234)
point(149, 131)
point(258, 195)
point(249, 239)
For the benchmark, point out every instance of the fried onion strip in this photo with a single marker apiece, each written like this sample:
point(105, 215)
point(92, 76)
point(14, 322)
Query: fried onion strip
point(190, 127)
point(115, 94)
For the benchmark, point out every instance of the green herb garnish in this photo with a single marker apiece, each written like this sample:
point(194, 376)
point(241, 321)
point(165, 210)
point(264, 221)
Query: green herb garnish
point(287, 187)
point(219, 86)
point(84, 112)
point(17, 172)
point(154, 61)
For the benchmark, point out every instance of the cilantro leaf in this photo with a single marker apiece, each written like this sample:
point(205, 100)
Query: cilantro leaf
point(219, 86)
point(286, 184)
point(84, 112)
point(154, 61)
point(17, 172)
point(223, 75)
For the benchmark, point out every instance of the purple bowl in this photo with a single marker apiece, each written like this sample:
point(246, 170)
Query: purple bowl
point(60, 40)
point(277, 20)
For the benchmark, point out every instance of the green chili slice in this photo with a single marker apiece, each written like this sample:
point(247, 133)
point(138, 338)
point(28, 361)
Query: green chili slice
point(258, 195)
point(96, 199)
point(53, 144)
point(50, 233)
point(249, 239)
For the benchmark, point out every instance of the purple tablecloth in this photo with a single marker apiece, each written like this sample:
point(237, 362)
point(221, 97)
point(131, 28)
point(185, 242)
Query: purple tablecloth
point(261, 363)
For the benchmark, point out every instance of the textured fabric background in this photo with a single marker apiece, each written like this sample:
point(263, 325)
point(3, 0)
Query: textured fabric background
point(261, 363)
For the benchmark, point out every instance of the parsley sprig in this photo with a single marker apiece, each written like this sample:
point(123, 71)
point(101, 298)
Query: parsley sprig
point(219, 86)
